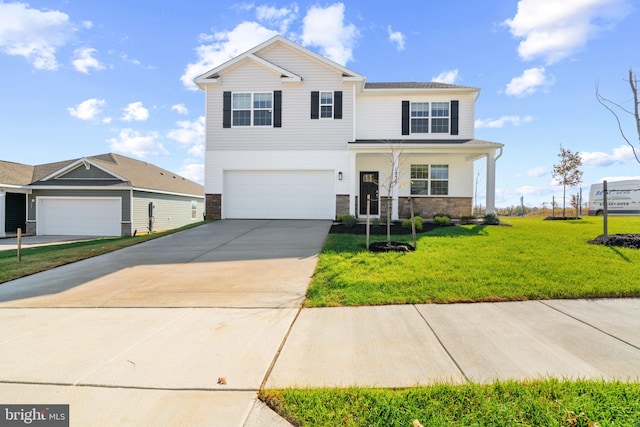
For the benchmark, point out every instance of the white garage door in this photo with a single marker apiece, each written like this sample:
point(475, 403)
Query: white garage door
point(79, 216)
point(279, 194)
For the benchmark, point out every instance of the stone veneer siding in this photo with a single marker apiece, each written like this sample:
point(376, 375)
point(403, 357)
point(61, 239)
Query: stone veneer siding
point(426, 207)
point(342, 204)
point(213, 206)
point(125, 229)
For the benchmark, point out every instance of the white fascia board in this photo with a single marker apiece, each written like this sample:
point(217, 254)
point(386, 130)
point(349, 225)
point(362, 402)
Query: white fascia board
point(149, 190)
point(79, 187)
point(78, 162)
point(408, 148)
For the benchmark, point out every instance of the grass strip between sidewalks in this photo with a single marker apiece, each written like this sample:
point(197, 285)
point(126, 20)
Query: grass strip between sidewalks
point(531, 259)
point(37, 259)
point(534, 403)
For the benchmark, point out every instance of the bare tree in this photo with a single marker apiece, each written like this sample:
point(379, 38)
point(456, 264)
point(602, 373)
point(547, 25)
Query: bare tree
point(567, 172)
point(612, 107)
point(390, 180)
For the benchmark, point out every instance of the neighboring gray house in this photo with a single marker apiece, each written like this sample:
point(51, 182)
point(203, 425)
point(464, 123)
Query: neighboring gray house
point(291, 134)
point(105, 195)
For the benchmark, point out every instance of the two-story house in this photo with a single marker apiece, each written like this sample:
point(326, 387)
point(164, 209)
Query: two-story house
point(291, 134)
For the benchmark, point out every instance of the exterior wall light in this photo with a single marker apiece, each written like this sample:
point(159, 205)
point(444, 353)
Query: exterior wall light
point(339, 176)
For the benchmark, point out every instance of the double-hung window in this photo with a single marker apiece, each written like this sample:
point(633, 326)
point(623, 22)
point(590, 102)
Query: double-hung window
point(326, 105)
point(252, 109)
point(436, 112)
point(429, 180)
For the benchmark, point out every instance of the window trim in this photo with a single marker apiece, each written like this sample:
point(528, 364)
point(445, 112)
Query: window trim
point(253, 109)
point(452, 117)
point(429, 180)
point(331, 105)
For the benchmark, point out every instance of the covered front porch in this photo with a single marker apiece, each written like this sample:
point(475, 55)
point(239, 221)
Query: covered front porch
point(437, 176)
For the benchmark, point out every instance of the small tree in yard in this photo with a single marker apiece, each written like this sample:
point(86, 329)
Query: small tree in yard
point(390, 181)
point(567, 172)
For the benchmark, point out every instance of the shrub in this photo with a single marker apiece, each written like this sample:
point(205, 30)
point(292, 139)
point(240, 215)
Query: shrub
point(491, 219)
point(416, 219)
point(376, 222)
point(467, 219)
point(341, 217)
point(441, 220)
point(348, 220)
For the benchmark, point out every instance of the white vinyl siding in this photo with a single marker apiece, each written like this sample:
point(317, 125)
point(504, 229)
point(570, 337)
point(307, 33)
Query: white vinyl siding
point(170, 211)
point(298, 131)
point(379, 117)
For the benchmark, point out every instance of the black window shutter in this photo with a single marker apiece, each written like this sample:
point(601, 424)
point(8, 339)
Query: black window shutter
point(405, 117)
point(454, 117)
point(315, 105)
point(277, 108)
point(337, 104)
point(226, 110)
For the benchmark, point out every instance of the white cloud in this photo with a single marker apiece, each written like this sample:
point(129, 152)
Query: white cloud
point(33, 34)
point(281, 18)
point(449, 76)
point(88, 109)
point(138, 144)
point(502, 121)
point(180, 109)
point(135, 112)
point(396, 37)
point(224, 46)
point(554, 30)
point(536, 172)
point(190, 134)
point(87, 25)
point(193, 171)
point(529, 82)
point(84, 60)
point(595, 159)
point(325, 28)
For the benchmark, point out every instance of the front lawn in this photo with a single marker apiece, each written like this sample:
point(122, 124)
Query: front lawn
point(534, 403)
point(530, 259)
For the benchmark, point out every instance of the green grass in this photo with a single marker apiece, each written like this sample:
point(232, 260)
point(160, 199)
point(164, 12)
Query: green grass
point(535, 403)
point(37, 259)
point(531, 259)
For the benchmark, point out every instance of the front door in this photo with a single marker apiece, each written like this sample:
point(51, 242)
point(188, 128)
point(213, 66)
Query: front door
point(369, 186)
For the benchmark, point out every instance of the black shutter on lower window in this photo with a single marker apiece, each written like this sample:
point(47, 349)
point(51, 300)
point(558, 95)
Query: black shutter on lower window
point(277, 108)
point(454, 117)
point(405, 117)
point(337, 104)
point(315, 105)
point(226, 110)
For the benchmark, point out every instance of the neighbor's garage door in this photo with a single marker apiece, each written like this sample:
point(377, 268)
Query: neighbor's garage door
point(279, 194)
point(79, 216)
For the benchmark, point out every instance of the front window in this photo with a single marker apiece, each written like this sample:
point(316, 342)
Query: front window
point(252, 109)
point(429, 180)
point(437, 111)
point(326, 105)
point(419, 117)
point(194, 209)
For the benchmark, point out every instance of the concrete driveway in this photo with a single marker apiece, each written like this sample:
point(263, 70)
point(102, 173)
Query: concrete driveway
point(181, 330)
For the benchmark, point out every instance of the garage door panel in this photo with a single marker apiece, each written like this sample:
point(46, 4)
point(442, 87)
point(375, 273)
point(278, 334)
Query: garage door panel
point(279, 194)
point(79, 216)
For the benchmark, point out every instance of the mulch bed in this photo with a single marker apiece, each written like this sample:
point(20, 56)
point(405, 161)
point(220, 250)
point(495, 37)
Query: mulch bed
point(619, 240)
point(379, 230)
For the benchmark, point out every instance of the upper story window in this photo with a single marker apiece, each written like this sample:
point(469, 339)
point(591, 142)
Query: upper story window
point(429, 180)
point(326, 105)
point(430, 117)
point(420, 113)
point(252, 109)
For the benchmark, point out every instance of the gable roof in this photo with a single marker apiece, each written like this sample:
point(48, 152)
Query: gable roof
point(126, 172)
point(253, 54)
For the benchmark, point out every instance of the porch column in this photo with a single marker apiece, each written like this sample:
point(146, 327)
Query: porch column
point(394, 193)
point(491, 183)
point(3, 210)
point(353, 184)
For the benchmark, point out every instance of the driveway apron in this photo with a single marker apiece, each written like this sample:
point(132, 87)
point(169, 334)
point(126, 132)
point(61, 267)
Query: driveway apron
point(180, 330)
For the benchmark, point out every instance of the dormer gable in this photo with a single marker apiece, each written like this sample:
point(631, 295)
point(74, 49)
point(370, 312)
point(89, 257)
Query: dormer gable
point(83, 169)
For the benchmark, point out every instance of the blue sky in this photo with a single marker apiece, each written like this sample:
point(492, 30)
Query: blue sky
point(81, 78)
